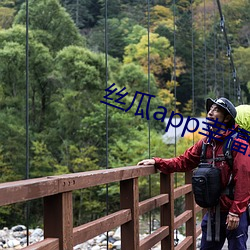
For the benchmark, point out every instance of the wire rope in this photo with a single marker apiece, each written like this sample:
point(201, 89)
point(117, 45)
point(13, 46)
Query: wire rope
point(222, 68)
point(236, 83)
point(175, 94)
point(229, 83)
point(107, 120)
point(149, 141)
point(205, 50)
point(215, 51)
point(27, 207)
point(174, 71)
point(192, 73)
point(77, 13)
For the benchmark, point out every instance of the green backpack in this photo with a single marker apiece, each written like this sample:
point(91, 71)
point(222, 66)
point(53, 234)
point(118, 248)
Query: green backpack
point(243, 119)
point(243, 116)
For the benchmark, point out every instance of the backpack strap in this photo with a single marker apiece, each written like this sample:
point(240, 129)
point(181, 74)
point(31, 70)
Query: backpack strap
point(227, 151)
point(203, 151)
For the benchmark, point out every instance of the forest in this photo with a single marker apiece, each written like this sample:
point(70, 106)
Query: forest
point(56, 69)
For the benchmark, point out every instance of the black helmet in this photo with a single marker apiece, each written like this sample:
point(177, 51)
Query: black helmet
point(224, 103)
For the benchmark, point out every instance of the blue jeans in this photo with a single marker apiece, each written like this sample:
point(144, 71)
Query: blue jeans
point(237, 238)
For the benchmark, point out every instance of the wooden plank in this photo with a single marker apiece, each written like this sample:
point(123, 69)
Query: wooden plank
point(154, 238)
point(167, 210)
point(190, 205)
point(90, 230)
point(198, 231)
point(198, 209)
point(182, 218)
point(178, 192)
point(24, 190)
point(46, 244)
point(129, 196)
point(58, 219)
point(152, 203)
point(98, 177)
point(185, 244)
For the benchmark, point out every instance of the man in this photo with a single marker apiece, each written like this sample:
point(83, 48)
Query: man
point(221, 115)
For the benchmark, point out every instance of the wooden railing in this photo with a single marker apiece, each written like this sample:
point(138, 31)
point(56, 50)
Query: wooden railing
point(59, 232)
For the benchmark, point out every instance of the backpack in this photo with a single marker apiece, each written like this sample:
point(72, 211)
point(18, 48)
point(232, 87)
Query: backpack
point(206, 179)
point(206, 183)
point(243, 116)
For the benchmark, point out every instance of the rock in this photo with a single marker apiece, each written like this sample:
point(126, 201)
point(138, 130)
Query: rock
point(95, 248)
point(111, 233)
point(117, 245)
point(111, 239)
point(38, 232)
point(3, 233)
point(117, 235)
point(103, 243)
point(16, 238)
point(91, 242)
point(13, 243)
point(100, 238)
point(18, 228)
point(18, 247)
point(81, 246)
point(23, 240)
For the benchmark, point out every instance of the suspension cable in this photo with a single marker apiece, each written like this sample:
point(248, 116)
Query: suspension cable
point(27, 207)
point(205, 51)
point(107, 120)
point(229, 53)
point(175, 102)
point(215, 52)
point(192, 74)
point(174, 74)
point(149, 142)
point(221, 68)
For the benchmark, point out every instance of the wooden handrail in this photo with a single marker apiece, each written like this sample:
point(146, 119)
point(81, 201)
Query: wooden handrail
point(58, 208)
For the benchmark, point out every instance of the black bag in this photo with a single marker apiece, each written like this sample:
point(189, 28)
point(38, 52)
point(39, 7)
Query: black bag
point(206, 181)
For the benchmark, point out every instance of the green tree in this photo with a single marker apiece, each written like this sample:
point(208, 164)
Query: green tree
point(84, 13)
point(6, 17)
point(241, 56)
point(117, 32)
point(53, 25)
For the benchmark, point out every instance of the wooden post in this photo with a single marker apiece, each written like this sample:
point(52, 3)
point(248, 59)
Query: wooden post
point(58, 219)
point(190, 205)
point(167, 210)
point(129, 197)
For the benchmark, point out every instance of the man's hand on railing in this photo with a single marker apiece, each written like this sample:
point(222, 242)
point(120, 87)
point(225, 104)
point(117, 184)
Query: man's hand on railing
point(146, 162)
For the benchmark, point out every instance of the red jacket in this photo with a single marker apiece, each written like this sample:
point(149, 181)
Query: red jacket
point(241, 170)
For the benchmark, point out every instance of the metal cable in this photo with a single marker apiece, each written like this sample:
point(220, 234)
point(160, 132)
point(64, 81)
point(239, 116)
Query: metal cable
point(174, 74)
point(229, 54)
point(215, 52)
point(192, 77)
point(107, 121)
point(205, 52)
point(27, 207)
point(149, 142)
point(175, 94)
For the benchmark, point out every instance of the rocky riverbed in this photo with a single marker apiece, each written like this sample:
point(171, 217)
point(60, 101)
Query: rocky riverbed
point(16, 238)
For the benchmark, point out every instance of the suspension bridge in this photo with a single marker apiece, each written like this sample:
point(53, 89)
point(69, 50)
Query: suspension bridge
point(56, 192)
